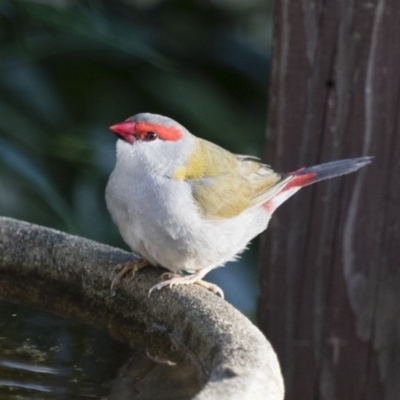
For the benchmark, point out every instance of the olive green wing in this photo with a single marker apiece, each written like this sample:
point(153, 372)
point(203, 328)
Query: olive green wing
point(223, 184)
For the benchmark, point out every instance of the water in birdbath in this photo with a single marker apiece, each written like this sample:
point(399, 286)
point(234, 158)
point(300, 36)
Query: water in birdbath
point(43, 356)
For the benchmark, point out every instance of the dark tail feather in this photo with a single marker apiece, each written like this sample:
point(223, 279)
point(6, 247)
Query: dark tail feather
point(307, 176)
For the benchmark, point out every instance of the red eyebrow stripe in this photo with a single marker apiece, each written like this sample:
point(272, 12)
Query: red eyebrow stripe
point(164, 132)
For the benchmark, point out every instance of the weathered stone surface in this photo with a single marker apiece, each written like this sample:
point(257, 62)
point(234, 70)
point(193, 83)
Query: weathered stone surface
point(70, 276)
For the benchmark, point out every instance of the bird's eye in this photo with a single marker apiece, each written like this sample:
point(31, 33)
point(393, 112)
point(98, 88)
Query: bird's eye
point(149, 136)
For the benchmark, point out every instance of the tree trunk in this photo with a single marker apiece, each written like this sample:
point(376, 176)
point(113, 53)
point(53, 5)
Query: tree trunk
point(330, 273)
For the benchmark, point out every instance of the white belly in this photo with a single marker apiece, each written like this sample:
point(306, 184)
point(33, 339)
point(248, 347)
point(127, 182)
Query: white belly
point(158, 218)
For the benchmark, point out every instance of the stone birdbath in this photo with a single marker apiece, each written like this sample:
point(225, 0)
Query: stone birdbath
point(185, 327)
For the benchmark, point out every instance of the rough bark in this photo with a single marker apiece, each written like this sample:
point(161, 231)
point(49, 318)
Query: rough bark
point(71, 276)
point(330, 279)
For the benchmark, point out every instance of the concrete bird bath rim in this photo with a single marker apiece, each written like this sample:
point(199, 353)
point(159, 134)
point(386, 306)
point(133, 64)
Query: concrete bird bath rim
point(70, 276)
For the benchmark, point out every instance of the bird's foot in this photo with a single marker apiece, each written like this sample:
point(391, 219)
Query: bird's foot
point(122, 269)
point(211, 287)
point(175, 279)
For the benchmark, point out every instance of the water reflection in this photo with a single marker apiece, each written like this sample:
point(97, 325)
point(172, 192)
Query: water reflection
point(43, 356)
point(143, 379)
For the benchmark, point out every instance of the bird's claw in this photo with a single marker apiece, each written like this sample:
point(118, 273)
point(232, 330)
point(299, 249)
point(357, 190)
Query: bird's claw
point(175, 279)
point(211, 287)
point(122, 269)
point(169, 275)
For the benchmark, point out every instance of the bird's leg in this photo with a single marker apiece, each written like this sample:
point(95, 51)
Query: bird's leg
point(175, 279)
point(122, 269)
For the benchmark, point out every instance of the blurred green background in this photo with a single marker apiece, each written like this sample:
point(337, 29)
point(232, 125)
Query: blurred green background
point(69, 69)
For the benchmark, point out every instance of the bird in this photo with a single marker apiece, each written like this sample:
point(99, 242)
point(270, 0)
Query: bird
point(189, 205)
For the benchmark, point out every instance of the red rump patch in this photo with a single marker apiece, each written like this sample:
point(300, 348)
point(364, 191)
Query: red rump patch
point(300, 181)
point(268, 206)
point(297, 181)
point(169, 133)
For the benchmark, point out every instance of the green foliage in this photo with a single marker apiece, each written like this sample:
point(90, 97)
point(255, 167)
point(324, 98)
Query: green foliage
point(69, 69)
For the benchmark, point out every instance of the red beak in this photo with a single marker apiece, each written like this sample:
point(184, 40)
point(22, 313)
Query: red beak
point(125, 131)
